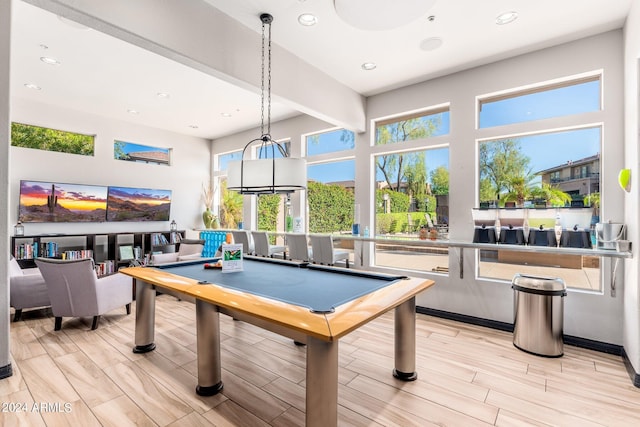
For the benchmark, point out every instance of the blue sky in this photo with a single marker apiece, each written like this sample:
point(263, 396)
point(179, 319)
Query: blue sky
point(130, 147)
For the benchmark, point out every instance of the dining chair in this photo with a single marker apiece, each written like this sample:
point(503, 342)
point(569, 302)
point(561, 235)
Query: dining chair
point(299, 248)
point(325, 253)
point(244, 237)
point(264, 248)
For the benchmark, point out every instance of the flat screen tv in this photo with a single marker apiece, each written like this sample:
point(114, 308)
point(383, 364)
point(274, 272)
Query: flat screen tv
point(57, 202)
point(138, 204)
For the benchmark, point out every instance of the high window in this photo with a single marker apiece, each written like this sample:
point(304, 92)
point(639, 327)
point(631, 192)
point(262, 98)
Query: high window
point(434, 122)
point(29, 136)
point(541, 102)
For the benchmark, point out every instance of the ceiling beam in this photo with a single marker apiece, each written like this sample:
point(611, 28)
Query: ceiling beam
point(196, 34)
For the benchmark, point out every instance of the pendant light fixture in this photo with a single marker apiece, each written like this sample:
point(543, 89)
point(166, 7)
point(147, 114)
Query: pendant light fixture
point(267, 174)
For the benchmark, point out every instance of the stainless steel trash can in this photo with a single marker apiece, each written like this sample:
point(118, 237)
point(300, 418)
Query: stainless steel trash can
point(538, 314)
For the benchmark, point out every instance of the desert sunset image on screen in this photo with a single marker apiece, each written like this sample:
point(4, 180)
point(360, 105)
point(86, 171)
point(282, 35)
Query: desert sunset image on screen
point(138, 204)
point(57, 202)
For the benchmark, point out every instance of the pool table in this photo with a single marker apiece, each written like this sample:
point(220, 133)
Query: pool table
point(311, 304)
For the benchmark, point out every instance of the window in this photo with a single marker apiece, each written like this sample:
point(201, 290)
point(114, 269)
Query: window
point(229, 203)
point(573, 97)
point(224, 159)
point(544, 169)
point(412, 191)
point(29, 136)
point(413, 127)
point(138, 153)
point(518, 168)
point(330, 142)
point(330, 196)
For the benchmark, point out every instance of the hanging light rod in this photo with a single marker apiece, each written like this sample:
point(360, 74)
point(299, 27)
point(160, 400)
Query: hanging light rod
point(266, 175)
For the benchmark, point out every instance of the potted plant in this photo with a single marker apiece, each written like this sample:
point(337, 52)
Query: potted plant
point(208, 217)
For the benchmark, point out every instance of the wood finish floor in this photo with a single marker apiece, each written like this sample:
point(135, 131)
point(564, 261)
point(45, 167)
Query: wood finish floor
point(467, 376)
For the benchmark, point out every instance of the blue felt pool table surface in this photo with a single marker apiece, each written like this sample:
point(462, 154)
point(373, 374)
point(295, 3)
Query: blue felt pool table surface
point(318, 288)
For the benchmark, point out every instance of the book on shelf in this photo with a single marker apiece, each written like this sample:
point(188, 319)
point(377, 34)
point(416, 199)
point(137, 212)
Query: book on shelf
point(105, 268)
point(81, 254)
point(158, 239)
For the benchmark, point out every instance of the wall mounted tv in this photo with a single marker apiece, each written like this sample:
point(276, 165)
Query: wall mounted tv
point(138, 204)
point(57, 202)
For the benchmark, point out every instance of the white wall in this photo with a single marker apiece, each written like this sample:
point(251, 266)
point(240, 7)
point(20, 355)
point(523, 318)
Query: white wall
point(632, 200)
point(190, 167)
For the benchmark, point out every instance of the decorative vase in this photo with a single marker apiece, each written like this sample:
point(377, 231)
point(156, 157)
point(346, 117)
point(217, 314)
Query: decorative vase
point(208, 218)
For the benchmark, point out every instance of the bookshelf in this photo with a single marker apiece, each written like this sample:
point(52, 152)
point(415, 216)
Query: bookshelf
point(104, 248)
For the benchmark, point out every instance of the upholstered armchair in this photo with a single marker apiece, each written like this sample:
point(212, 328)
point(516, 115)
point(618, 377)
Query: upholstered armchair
point(27, 289)
point(325, 253)
point(75, 290)
point(264, 248)
point(189, 250)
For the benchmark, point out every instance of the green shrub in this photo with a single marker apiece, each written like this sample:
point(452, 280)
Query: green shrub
point(330, 208)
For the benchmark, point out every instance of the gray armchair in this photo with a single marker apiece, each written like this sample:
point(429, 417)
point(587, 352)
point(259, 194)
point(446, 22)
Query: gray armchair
point(27, 289)
point(76, 291)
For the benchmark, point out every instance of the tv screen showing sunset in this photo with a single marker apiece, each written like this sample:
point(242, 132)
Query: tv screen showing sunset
point(56, 202)
point(138, 204)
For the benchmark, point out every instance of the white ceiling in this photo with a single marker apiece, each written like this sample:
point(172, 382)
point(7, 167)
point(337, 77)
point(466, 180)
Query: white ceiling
point(102, 75)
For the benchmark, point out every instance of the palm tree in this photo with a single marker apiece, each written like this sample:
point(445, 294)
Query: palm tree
point(230, 208)
point(554, 196)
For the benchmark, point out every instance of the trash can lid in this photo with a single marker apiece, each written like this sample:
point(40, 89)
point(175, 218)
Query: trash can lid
point(539, 282)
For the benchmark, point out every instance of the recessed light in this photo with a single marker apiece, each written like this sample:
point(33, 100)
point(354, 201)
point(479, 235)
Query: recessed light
point(225, 114)
point(50, 61)
point(432, 43)
point(368, 66)
point(307, 19)
point(506, 18)
point(132, 111)
point(32, 86)
point(162, 95)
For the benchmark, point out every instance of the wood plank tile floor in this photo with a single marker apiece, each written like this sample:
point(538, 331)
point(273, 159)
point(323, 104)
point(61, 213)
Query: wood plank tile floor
point(467, 376)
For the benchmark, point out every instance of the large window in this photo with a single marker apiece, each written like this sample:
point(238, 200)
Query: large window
point(229, 203)
point(543, 169)
point(573, 97)
point(330, 196)
point(412, 192)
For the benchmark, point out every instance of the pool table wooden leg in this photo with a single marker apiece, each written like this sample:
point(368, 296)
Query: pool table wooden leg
point(405, 341)
point(322, 383)
point(208, 349)
point(145, 317)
